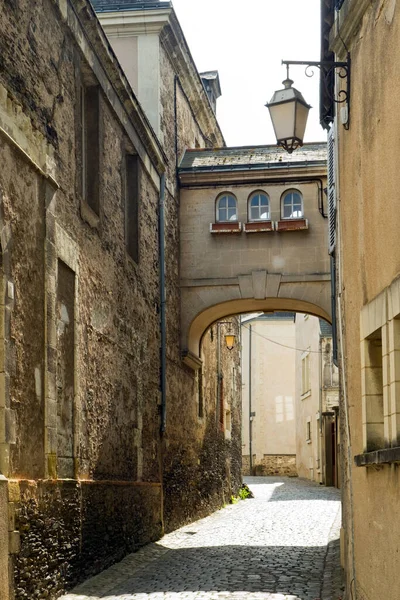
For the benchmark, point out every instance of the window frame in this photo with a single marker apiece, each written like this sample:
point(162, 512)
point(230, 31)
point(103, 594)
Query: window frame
point(217, 208)
point(283, 197)
point(305, 374)
point(249, 207)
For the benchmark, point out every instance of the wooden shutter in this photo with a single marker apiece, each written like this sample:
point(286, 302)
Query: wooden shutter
point(331, 191)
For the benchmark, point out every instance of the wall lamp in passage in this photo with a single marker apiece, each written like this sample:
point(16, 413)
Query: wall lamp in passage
point(288, 109)
point(230, 337)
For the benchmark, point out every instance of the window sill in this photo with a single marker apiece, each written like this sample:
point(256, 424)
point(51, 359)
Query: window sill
point(291, 225)
point(305, 395)
point(378, 457)
point(225, 227)
point(258, 226)
point(88, 215)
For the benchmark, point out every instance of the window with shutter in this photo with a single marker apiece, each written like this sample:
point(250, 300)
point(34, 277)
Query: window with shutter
point(331, 191)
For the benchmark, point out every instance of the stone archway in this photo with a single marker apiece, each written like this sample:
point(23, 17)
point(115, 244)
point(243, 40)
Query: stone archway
point(313, 300)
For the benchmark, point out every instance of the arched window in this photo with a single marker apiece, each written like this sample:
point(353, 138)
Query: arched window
point(226, 208)
point(292, 205)
point(259, 207)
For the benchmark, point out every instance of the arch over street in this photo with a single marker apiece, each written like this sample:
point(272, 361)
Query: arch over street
point(246, 263)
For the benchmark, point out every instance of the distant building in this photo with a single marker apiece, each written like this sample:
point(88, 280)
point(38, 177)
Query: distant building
point(290, 397)
point(268, 394)
point(317, 402)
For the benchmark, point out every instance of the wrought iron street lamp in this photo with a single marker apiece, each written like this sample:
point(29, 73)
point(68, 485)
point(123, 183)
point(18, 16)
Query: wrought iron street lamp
point(289, 110)
point(289, 113)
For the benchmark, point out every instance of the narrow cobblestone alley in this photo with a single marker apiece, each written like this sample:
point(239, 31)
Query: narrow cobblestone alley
point(281, 545)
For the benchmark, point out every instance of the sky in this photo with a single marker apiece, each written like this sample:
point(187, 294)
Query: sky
point(245, 40)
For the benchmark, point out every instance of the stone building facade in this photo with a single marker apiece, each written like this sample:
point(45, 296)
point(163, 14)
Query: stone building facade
point(84, 475)
point(290, 397)
point(364, 140)
point(317, 402)
point(268, 394)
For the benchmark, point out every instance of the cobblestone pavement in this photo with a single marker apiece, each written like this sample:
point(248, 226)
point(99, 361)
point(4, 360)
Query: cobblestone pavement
point(280, 545)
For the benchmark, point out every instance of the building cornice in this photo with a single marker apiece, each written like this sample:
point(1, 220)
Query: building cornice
point(134, 22)
point(199, 177)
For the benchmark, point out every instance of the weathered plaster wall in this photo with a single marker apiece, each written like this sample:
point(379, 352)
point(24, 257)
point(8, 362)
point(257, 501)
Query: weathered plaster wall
point(370, 257)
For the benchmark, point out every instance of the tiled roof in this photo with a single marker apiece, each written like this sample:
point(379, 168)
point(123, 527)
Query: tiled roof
point(251, 157)
point(117, 5)
point(325, 328)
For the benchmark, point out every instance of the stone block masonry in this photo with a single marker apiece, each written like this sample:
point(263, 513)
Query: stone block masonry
point(69, 530)
point(85, 475)
point(271, 464)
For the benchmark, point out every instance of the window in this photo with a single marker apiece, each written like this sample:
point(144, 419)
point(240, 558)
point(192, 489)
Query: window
point(308, 430)
point(305, 374)
point(227, 208)
point(380, 377)
point(292, 205)
point(91, 146)
point(259, 207)
point(132, 205)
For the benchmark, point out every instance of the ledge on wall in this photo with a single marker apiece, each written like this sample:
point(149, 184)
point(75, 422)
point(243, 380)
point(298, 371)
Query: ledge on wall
point(292, 225)
point(234, 227)
point(258, 226)
point(378, 457)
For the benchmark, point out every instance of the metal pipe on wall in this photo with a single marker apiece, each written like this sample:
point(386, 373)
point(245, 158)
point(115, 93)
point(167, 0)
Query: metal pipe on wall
point(163, 329)
point(250, 411)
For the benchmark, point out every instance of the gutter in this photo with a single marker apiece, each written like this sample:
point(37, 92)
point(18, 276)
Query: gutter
point(163, 330)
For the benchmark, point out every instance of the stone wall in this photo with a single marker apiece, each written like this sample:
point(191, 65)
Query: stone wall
point(70, 530)
point(79, 319)
point(201, 466)
point(271, 464)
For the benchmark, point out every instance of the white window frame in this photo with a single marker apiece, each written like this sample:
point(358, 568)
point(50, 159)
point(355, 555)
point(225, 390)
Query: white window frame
point(284, 196)
point(308, 431)
point(225, 208)
point(305, 374)
point(252, 196)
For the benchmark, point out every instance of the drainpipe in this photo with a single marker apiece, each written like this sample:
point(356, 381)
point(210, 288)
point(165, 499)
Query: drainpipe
point(163, 348)
point(333, 308)
point(250, 415)
point(219, 375)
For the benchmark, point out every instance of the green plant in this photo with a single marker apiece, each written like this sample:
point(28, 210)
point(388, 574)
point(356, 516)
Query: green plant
point(245, 492)
point(234, 500)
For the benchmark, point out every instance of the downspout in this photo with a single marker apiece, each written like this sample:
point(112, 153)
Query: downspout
point(250, 415)
point(163, 331)
point(219, 376)
point(333, 308)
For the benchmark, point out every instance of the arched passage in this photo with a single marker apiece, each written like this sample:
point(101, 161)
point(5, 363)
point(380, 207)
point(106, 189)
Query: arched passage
point(207, 317)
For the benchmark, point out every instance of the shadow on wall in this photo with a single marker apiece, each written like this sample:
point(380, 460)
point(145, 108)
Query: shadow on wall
point(199, 482)
point(243, 569)
point(284, 490)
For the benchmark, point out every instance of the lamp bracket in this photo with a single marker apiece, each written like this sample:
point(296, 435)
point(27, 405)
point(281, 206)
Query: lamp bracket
point(328, 69)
